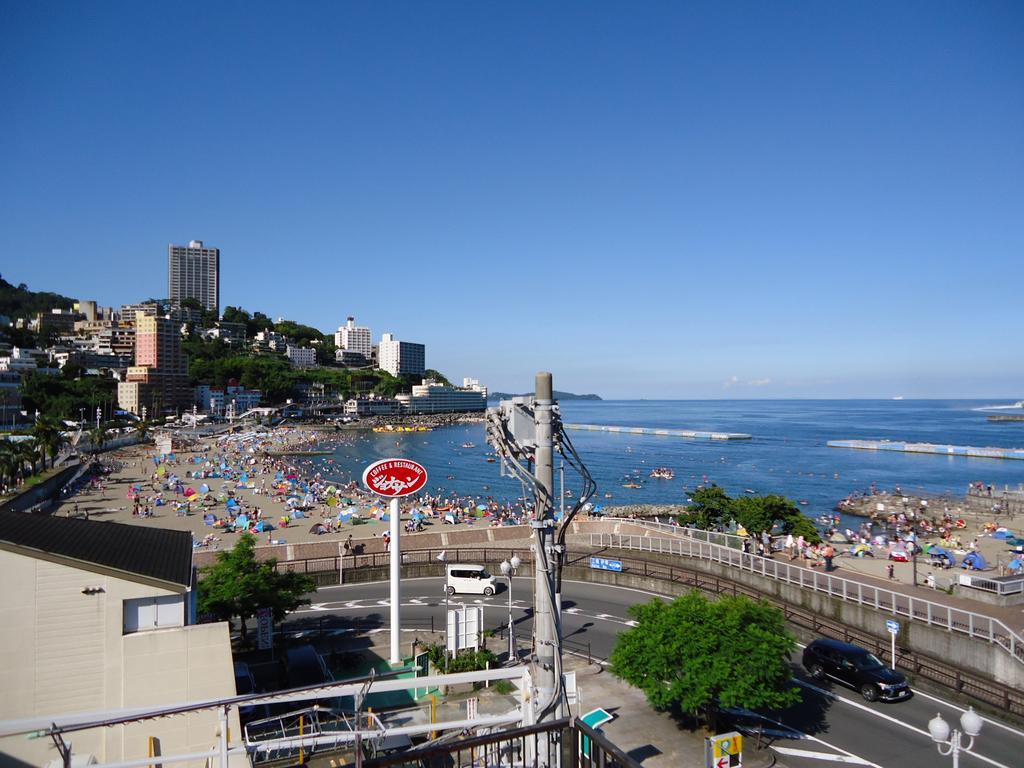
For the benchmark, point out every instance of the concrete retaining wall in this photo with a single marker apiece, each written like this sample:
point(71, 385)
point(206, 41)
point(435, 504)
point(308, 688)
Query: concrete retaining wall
point(40, 496)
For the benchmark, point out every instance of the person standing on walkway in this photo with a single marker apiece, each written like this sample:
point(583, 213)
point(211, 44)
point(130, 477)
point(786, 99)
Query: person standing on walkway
point(829, 553)
point(790, 544)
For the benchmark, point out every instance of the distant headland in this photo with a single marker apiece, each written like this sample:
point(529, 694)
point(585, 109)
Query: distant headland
point(558, 396)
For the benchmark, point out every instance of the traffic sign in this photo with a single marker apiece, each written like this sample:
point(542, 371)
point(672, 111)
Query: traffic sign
point(395, 477)
point(606, 564)
point(724, 750)
point(893, 626)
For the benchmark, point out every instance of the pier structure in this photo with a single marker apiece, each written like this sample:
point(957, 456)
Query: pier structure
point(688, 433)
point(932, 448)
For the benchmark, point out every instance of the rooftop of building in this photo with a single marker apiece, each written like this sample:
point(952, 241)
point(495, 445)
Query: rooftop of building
point(127, 551)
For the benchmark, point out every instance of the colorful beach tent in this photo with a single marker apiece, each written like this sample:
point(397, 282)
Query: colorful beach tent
point(938, 553)
point(975, 561)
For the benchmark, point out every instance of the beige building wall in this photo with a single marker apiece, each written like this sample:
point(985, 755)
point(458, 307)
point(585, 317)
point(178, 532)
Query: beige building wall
point(64, 652)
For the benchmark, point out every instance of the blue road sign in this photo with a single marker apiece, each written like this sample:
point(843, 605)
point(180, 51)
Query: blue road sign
point(605, 564)
point(893, 626)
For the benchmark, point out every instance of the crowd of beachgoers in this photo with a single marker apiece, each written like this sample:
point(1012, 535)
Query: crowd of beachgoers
point(260, 482)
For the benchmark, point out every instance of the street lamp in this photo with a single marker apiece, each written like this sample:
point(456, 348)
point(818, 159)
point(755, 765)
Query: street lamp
point(99, 412)
point(508, 569)
point(939, 730)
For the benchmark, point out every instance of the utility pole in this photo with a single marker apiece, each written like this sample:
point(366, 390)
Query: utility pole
point(546, 622)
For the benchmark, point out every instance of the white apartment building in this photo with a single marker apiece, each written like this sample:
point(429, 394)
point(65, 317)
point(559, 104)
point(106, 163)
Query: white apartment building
point(354, 338)
point(401, 358)
point(431, 397)
point(475, 385)
point(20, 360)
point(301, 357)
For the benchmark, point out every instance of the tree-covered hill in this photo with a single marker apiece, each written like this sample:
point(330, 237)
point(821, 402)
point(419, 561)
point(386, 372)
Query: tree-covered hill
point(18, 301)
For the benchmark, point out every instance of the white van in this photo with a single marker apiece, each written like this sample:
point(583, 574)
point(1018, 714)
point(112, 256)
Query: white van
point(473, 579)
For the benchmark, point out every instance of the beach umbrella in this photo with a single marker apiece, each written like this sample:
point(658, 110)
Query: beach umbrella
point(862, 549)
point(161, 470)
point(1015, 564)
point(204, 488)
point(190, 491)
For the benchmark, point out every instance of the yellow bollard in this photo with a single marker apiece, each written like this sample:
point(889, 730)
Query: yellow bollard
point(302, 731)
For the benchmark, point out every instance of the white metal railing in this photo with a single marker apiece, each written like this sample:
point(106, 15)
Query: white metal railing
point(974, 625)
point(988, 584)
point(731, 540)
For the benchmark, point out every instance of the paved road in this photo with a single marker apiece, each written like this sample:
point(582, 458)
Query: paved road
point(832, 721)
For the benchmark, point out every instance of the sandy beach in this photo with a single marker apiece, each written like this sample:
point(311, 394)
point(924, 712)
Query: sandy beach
point(267, 462)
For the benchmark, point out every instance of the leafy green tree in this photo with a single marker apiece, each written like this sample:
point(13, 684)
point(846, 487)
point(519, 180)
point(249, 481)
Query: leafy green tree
point(238, 584)
point(700, 655)
point(437, 376)
point(710, 507)
point(802, 526)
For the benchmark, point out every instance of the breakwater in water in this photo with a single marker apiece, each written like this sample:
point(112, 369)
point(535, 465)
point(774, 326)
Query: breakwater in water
point(933, 448)
point(689, 433)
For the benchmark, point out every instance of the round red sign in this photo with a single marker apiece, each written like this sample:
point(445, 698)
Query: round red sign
point(395, 477)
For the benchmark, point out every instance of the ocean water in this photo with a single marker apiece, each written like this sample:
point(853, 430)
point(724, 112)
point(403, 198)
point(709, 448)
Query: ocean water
point(786, 455)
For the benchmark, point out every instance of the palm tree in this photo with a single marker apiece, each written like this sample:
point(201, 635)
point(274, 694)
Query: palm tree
point(97, 439)
point(47, 431)
point(142, 429)
point(8, 462)
point(26, 453)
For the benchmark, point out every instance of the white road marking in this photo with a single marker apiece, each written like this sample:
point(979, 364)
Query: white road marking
point(883, 716)
point(414, 601)
point(822, 755)
point(937, 700)
point(570, 610)
point(802, 735)
point(383, 602)
point(318, 607)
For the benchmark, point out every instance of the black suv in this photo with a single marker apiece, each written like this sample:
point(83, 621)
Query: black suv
point(856, 667)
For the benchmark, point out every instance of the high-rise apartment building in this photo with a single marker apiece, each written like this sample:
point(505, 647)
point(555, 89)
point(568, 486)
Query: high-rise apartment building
point(159, 378)
point(401, 358)
point(354, 338)
point(193, 272)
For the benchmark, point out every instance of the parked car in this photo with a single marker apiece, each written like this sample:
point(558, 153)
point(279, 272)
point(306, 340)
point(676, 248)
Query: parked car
point(472, 579)
point(856, 667)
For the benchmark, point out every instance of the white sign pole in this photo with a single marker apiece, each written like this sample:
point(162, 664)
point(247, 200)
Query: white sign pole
point(396, 575)
point(893, 636)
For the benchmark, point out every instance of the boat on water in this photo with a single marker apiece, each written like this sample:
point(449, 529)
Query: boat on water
point(663, 473)
point(632, 485)
point(468, 445)
point(1018, 406)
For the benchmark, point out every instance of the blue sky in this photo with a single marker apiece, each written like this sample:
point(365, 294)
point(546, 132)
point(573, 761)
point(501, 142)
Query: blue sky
point(651, 200)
